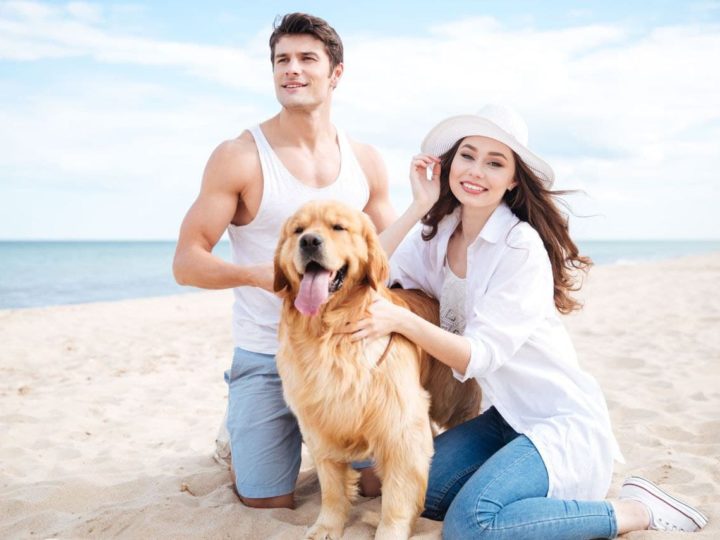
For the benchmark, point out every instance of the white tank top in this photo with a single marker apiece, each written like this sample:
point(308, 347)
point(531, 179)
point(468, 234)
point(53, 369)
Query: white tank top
point(256, 312)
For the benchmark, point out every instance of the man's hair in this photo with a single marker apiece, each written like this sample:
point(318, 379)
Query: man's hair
point(302, 23)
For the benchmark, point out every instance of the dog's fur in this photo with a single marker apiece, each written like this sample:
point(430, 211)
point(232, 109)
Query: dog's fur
point(359, 399)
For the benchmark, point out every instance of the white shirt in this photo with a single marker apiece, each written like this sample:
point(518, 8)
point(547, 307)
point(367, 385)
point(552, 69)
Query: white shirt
point(521, 354)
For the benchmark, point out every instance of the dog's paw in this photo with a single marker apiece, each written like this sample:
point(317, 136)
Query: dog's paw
point(320, 531)
point(393, 531)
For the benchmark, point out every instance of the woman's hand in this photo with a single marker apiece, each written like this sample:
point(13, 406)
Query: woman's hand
point(425, 192)
point(384, 318)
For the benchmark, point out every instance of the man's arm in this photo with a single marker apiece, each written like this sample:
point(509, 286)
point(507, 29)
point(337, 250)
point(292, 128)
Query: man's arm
point(227, 174)
point(379, 207)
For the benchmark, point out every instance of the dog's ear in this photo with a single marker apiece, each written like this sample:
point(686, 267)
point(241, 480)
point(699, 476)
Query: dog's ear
point(280, 282)
point(378, 268)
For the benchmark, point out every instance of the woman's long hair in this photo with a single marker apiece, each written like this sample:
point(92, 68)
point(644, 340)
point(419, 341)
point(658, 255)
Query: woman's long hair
point(535, 204)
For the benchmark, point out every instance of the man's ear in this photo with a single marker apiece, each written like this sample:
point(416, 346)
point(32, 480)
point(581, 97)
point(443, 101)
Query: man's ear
point(336, 75)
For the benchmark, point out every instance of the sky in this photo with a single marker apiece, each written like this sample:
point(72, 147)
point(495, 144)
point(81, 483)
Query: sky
point(110, 110)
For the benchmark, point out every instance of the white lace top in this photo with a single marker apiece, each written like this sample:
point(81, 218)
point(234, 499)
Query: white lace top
point(452, 302)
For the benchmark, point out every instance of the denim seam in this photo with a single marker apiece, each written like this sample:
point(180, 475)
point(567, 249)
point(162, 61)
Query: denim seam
point(464, 472)
point(492, 528)
point(454, 480)
point(613, 519)
point(489, 526)
point(519, 459)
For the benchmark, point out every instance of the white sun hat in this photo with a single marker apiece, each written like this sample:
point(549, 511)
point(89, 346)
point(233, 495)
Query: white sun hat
point(495, 121)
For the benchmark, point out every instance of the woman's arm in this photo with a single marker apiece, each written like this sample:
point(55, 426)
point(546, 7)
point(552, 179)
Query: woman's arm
point(386, 317)
point(503, 317)
point(425, 193)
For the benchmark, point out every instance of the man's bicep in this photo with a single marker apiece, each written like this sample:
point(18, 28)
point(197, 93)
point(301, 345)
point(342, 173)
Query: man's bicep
point(208, 218)
point(216, 205)
point(381, 212)
point(379, 206)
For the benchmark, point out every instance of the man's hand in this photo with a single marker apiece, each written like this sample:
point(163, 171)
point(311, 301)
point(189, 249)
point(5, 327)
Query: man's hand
point(262, 276)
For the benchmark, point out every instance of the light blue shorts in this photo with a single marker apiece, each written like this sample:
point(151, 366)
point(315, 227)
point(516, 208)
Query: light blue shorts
point(265, 437)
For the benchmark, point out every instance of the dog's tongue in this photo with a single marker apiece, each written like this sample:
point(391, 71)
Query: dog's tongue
point(313, 292)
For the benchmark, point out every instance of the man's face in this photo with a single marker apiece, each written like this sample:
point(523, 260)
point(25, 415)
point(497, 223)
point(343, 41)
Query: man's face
point(301, 71)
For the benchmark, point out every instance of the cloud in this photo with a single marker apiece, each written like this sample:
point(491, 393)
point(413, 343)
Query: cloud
point(85, 11)
point(33, 31)
point(630, 116)
point(115, 135)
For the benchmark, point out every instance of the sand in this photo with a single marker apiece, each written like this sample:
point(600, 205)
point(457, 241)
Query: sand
point(109, 411)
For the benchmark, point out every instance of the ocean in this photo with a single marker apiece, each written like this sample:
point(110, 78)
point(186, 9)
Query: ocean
point(35, 274)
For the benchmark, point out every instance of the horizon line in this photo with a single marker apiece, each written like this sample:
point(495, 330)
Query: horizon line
point(225, 240)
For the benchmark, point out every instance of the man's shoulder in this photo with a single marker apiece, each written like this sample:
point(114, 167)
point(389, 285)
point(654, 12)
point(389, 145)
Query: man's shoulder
point(364, 152)
point(241, 147)
point(235, 161)
point(370, 161)
point(238, 152)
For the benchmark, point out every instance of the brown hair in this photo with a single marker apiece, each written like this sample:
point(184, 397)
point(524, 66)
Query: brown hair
point(302, 23)
point(531, 201)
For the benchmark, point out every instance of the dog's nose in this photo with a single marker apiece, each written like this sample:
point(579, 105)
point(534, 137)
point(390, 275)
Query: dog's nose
point(310, 242)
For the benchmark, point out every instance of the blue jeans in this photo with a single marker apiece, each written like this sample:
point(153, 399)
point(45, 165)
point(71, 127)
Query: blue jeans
point(488, 481)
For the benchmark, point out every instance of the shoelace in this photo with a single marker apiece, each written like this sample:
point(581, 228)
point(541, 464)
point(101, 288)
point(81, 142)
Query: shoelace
point(667, 526)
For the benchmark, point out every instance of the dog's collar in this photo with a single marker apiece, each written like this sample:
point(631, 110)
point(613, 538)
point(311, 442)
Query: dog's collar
point(386, 351)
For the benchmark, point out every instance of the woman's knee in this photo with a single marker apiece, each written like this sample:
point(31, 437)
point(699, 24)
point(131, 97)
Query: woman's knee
point(466, 519)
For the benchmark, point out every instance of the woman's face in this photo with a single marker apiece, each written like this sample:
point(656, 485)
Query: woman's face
point(482, 170)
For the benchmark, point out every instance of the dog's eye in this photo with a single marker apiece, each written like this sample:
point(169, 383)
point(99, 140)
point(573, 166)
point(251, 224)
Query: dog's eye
point(338, 227)
point(299, 230)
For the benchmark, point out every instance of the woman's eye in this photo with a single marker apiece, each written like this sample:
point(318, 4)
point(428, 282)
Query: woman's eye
point(466, 156)
point(496, 164)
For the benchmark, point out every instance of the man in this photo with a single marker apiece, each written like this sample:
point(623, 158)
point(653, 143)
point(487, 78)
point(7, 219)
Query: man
point(250, 186)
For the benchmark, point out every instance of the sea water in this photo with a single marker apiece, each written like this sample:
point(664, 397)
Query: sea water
point(37, 273)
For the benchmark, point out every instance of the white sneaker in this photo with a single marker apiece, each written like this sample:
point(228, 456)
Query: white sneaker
point(666, 512)
point(222, 444)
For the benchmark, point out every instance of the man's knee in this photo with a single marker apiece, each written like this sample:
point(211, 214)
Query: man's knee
point(281, 501)
point(370, 485)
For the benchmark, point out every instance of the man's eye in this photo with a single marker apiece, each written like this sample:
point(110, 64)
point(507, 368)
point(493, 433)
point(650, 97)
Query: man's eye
point(299, 230)
point(338, 227)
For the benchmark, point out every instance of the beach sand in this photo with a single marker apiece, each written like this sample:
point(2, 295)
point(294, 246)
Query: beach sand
point(109, 411)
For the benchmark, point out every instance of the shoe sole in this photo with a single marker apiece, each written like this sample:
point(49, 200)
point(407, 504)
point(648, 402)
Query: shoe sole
point(691, 513)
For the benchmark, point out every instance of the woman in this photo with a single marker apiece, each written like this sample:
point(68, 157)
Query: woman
point(496, 252)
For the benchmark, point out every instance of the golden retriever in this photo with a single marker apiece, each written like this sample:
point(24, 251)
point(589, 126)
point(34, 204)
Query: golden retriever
point(357, 399)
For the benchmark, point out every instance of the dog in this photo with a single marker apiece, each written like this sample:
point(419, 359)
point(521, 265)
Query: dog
point(358, 399)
